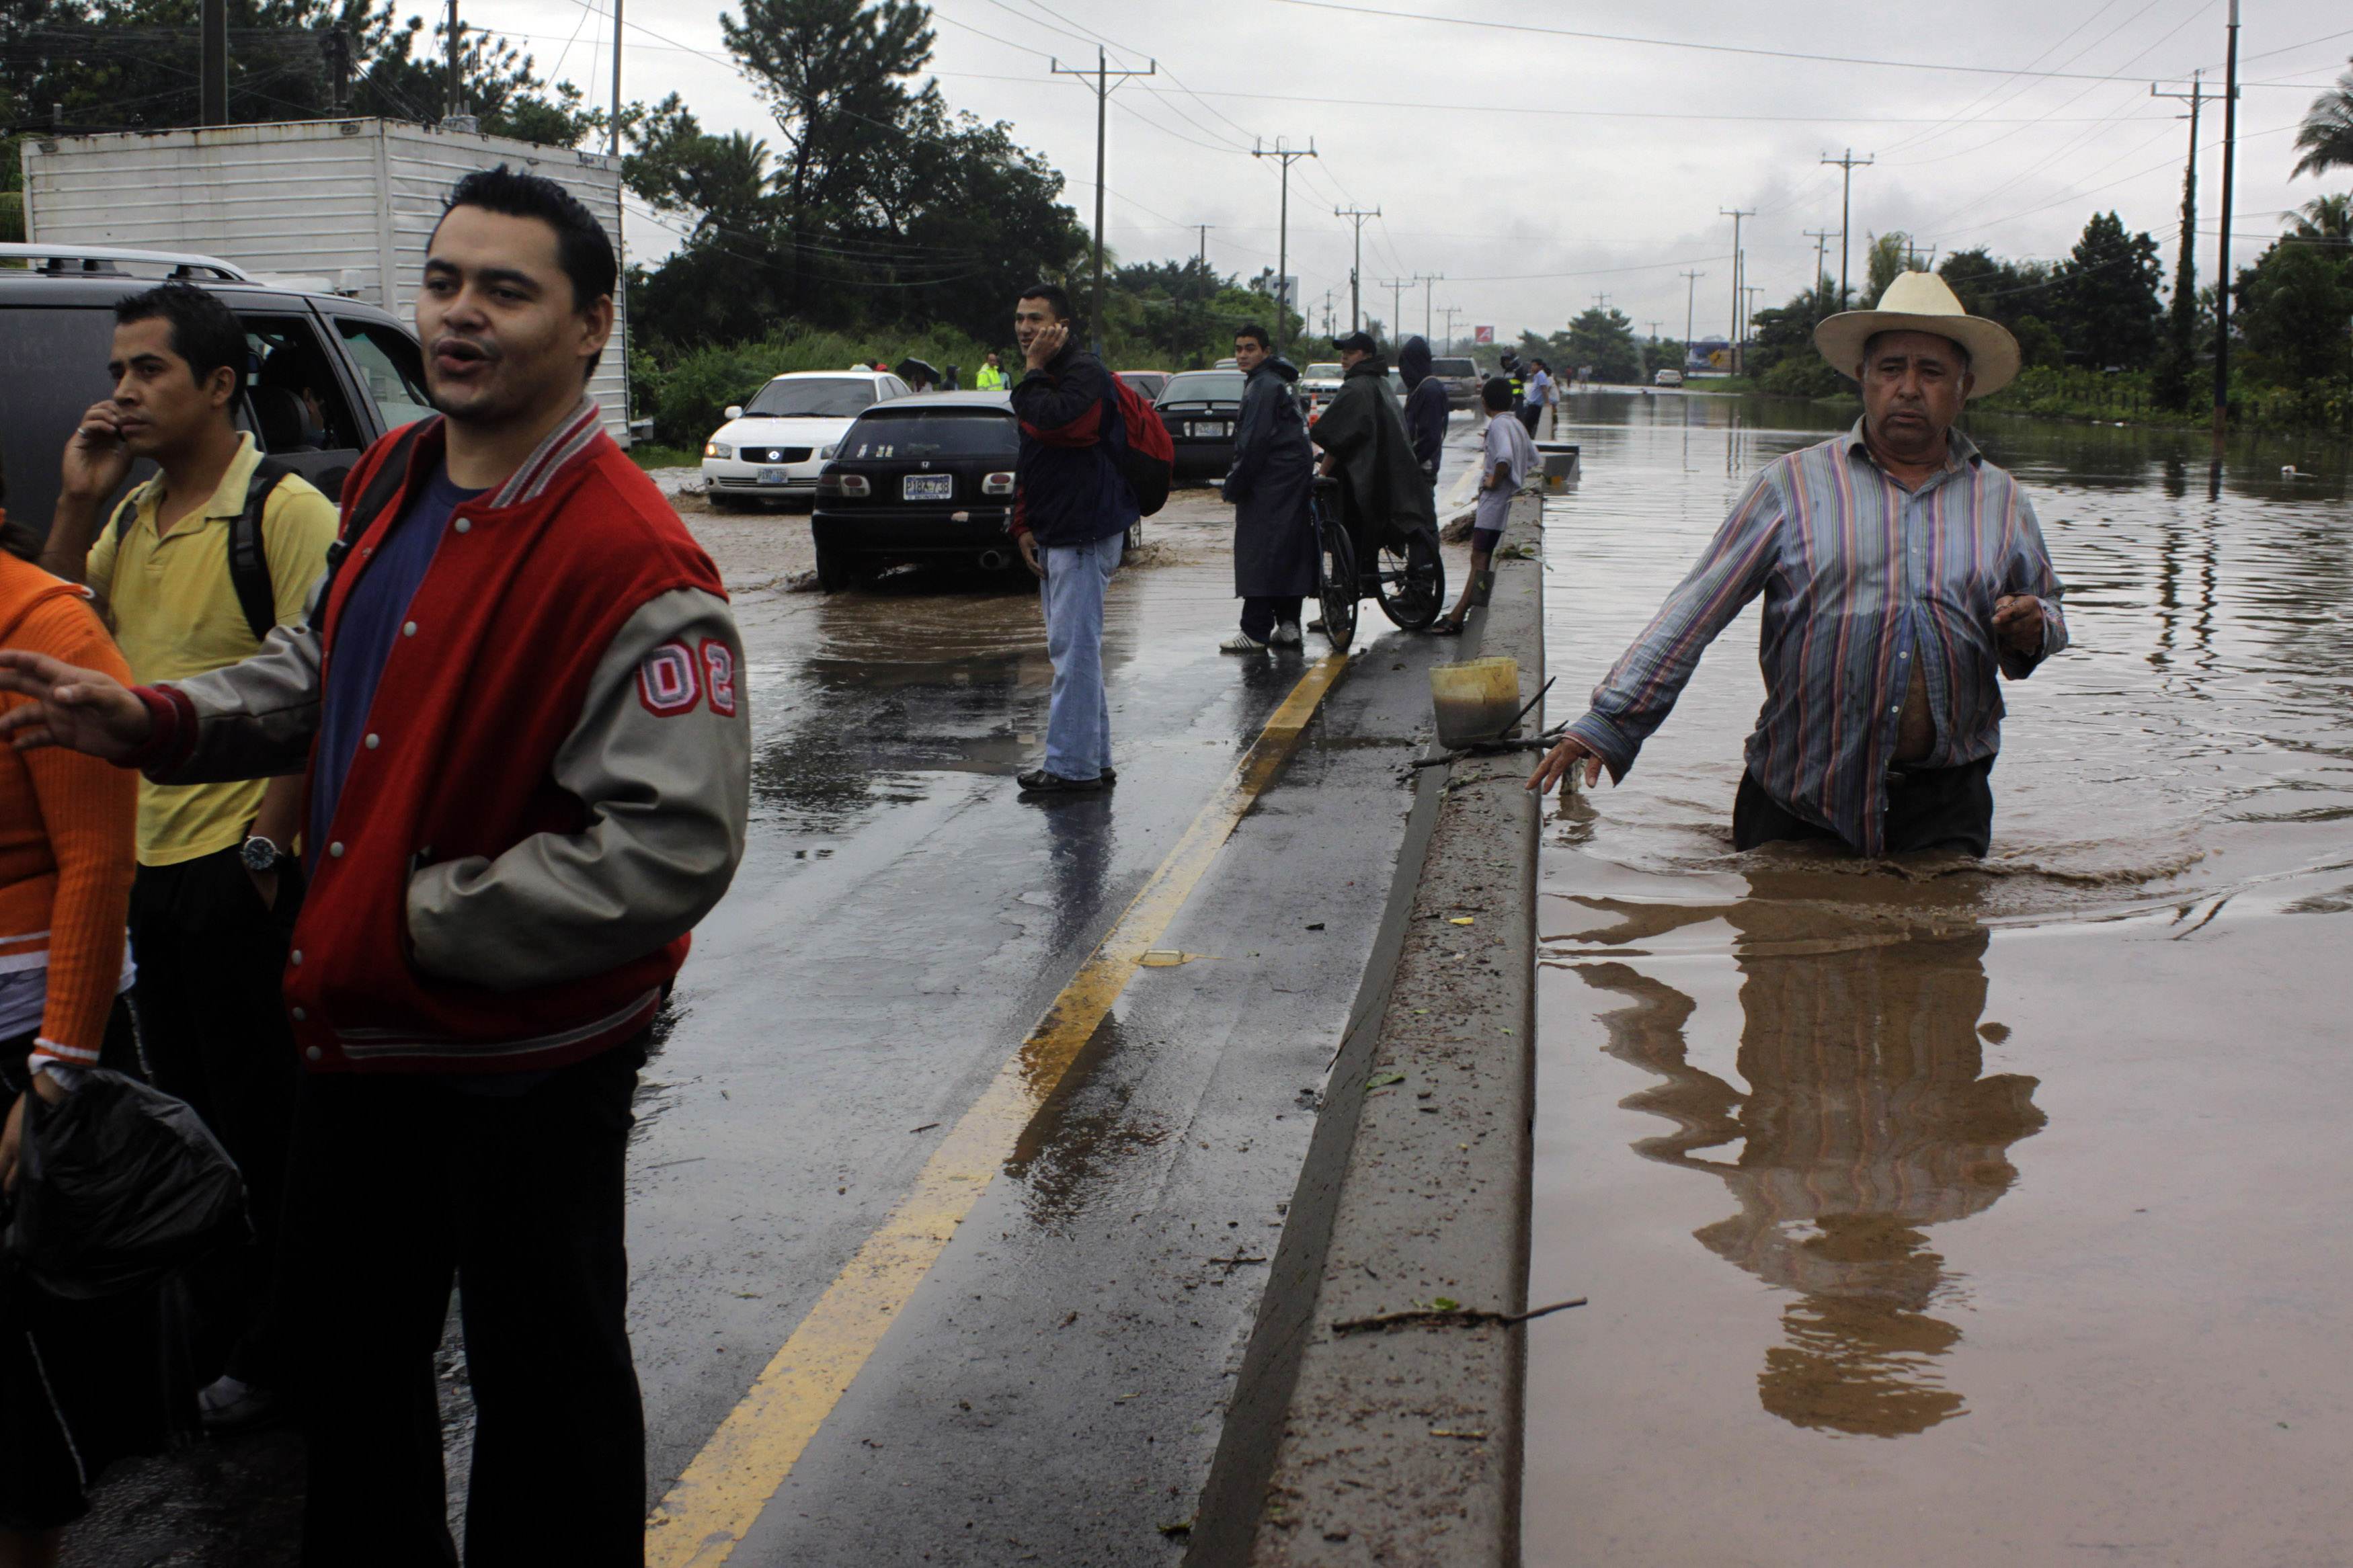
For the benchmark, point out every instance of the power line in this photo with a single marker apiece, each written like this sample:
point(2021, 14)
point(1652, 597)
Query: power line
point(1810, 58)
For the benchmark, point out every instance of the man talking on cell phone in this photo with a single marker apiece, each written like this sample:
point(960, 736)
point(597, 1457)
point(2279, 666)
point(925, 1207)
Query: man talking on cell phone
point(1071, 509)
point(518, 698)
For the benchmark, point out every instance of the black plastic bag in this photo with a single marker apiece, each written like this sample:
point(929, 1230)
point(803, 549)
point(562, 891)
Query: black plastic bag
point(117, 1186)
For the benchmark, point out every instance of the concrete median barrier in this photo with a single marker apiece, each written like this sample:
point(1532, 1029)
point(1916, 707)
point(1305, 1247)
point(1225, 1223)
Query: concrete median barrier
point(1378, 1415)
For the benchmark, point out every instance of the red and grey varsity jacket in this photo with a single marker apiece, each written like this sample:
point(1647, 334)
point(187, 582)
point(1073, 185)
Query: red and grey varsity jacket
point(553, 781)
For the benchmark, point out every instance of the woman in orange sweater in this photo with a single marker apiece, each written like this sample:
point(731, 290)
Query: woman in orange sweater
point(79, 1384)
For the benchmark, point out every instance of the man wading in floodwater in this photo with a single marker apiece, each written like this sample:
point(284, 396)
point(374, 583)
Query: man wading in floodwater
point(1900, 570)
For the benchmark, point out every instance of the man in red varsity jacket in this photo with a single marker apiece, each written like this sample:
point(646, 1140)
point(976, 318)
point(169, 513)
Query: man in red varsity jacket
point(518, 696)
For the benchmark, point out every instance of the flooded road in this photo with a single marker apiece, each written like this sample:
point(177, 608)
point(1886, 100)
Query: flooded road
point(1946, 1212)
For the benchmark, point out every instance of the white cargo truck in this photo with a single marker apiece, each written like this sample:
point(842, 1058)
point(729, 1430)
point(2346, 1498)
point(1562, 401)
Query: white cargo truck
point(340, 206)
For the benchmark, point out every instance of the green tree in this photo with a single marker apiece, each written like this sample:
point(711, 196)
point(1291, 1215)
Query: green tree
point(2108, 296)
point(1602, 339)
point(1889, 256)
point(2326, 137)
point(2294, 310)
point(2324, 217)
point(130, 65)
point(876, 204)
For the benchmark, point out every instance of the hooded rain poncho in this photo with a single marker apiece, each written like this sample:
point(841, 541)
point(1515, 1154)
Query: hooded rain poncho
point(1274, 545)
point(1380, 484)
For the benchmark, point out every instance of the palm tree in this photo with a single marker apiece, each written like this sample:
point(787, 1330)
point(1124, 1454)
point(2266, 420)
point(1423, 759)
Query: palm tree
point(2327, 136)
point(2325, 217)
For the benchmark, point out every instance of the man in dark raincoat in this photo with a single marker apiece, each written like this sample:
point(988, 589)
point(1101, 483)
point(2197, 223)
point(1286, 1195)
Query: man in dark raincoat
point(1274, 545)
point(1425, 407)
point(1383, 498)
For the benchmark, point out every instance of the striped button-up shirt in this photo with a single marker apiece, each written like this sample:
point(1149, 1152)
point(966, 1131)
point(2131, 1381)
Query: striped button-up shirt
point(1862, 579)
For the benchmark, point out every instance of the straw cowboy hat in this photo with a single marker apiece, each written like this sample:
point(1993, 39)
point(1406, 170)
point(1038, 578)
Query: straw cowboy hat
point(1923, 302)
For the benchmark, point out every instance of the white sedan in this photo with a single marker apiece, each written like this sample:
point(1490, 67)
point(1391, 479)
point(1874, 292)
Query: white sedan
point(773, 447)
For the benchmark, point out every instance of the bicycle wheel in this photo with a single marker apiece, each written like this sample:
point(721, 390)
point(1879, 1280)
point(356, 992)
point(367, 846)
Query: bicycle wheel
point(1412, 580)
point(1335, 582)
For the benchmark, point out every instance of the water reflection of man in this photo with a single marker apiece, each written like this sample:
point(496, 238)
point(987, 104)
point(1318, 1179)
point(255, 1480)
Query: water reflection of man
point(1900, 570)
point(1866, 1121)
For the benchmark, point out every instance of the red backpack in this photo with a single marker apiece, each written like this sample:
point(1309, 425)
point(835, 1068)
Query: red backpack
point(1148, 458)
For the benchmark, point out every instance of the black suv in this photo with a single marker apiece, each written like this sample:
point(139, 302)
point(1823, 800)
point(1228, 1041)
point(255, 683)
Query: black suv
point(328, 375)
point(926, 478)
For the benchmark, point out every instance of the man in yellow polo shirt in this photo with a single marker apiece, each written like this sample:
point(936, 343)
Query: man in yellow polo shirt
point(214, 902)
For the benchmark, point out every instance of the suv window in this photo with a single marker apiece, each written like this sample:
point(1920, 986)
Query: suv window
point(915, 433)
point(392, 372)
point(298, 401)
point(1457, 367)
point(1204, 386)
point(52, 368)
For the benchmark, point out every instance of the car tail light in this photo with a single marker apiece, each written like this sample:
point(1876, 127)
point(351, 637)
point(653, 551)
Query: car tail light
point(850, 486)
point(996, 485)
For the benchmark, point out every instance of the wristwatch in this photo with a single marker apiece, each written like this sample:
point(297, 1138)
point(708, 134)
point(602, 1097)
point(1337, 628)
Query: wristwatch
point(261, 854)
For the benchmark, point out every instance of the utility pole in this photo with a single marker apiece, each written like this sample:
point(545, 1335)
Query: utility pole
point(614, 147)
point(2184, 312)
point(1602, 301)
point(1849, 163)
point(1289, 155)
point(457, 82)
point(1739, 277)
point(2222, 253)
point(1355, 296)
point(213, 98)
point(1750, 294)
point(1428, 282)
point(1450, 312)
point(1691, 300)
point(1327, 312)
point(1204, 227)
point(1821, 238)
point(1397, 288)
point(1102, 73)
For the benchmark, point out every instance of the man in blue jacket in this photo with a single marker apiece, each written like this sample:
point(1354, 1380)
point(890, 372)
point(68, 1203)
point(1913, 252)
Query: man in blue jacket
point(1073, 507)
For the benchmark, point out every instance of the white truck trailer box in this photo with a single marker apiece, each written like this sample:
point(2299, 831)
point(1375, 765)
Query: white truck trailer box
point(343, 206)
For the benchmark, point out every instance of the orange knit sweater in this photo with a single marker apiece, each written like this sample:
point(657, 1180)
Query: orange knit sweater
point(65, 829)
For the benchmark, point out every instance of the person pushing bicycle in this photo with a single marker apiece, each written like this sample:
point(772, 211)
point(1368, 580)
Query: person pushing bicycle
point(1383, 498)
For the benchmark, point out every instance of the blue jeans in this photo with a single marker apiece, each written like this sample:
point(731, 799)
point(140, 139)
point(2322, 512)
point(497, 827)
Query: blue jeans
point(1078, 727)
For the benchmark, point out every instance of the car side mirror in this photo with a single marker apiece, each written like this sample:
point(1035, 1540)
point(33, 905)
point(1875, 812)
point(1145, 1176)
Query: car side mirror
point(735, 411)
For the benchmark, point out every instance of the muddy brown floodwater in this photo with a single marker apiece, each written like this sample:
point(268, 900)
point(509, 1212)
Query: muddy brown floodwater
point(1938, 1212)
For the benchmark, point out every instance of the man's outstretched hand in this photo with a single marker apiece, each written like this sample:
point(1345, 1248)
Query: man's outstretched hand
point(81, 709)
point(2018, 623)
point(1560, 758)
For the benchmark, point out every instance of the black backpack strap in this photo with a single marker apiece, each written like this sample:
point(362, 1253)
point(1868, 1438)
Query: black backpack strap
point(383, 484)
point(248, 556)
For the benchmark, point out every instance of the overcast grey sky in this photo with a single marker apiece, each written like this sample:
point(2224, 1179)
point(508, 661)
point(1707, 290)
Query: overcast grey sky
point(1536, 169)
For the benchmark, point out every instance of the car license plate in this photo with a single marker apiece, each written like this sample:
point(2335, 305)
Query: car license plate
point(1209, 429)
point(928, 487)
point(772, 475)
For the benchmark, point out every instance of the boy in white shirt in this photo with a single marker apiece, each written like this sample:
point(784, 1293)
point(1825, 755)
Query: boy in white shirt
point(1508, 458)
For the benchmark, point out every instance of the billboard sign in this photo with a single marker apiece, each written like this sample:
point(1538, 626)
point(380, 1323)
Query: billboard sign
point(1482, 334)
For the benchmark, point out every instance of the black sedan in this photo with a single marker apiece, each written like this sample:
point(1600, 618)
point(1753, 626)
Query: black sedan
point(1200, 408)
point(927, 478)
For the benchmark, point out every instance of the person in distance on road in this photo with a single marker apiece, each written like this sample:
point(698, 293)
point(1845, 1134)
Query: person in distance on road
point(1073, 507)
point(1382, 496)
point(1509, 461)
point(991, 376)
point(1425, 409)
point(1902, 573)
point(1274, 466)
point(1539, 397)
point(518, 698)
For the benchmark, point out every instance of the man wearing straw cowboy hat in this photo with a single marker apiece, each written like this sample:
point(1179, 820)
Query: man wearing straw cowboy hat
point(1900, 570)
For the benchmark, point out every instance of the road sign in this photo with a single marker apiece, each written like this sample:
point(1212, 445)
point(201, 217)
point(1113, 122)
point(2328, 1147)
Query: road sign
point(1482, 334)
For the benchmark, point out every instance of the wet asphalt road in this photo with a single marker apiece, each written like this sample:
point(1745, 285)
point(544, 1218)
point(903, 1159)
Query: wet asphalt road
point(1052, 1391)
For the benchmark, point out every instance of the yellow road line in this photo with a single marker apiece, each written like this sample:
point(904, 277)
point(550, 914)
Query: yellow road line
point(721, 1493)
